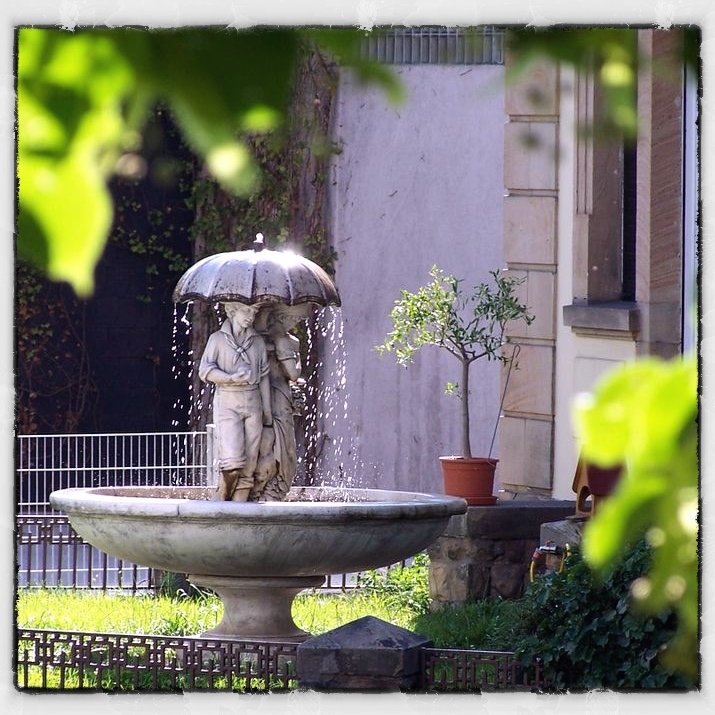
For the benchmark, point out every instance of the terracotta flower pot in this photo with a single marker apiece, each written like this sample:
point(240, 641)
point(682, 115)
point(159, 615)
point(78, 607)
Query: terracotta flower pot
point(471, 478)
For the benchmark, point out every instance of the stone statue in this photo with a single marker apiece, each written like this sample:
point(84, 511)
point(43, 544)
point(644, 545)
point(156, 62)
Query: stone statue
point(278, 460)
point(235, 360)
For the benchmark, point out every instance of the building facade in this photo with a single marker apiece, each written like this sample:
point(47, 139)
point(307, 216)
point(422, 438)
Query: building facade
point(605, 234)
point(476, 172)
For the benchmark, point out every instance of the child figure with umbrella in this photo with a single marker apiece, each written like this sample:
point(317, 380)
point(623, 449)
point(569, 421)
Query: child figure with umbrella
point(235, 360)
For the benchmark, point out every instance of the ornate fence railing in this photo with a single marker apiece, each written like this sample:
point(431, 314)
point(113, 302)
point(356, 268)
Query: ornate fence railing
point(453, 670)
point(48, 660)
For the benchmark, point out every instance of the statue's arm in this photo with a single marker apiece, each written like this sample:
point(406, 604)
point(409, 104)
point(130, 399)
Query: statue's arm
point(265, 387)
point(264, 383)
point(288, 354)
point(209, 371)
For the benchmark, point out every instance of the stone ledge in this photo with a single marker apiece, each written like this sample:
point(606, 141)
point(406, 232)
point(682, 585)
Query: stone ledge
point(512, 519)
point(566, 532)
point(603, 318)
point(487, 552)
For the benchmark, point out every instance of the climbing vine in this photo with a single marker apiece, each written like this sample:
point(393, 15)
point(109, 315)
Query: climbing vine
point(288, 206)
point(54, 388)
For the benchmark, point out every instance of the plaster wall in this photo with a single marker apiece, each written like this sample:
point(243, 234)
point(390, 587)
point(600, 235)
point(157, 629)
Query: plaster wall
point(416, 184)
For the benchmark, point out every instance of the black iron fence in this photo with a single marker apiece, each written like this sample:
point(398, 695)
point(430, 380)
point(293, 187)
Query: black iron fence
point(110, 662)
point(49, 553)
point(44, 463)
point(48, 660)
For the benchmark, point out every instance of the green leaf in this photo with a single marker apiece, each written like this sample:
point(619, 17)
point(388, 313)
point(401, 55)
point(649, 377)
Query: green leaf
point(71, 127)
point(83, 97)
point(625, 515)
point(643, 416)
point(188, 69)
point(637, 412)
point(64, 221)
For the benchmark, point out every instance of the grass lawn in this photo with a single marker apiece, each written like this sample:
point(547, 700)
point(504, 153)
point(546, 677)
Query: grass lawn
point(75, 610)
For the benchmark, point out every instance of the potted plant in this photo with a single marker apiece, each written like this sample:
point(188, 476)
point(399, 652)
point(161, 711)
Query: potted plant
point(469, 326)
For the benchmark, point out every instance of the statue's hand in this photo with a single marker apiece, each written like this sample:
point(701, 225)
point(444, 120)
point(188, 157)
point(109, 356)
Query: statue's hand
point(242, 376)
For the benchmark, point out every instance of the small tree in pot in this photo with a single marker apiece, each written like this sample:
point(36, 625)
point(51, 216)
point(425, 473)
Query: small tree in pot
point(469, 326)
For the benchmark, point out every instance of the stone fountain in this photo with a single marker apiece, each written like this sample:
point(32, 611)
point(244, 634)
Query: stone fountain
point(256, 540)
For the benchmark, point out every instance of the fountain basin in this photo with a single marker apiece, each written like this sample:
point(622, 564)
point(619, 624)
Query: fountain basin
point(257, 555)
point(316, 531)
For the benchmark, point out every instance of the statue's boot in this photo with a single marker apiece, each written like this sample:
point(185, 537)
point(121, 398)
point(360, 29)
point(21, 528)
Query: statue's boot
point(241, 494)
point(243, 487)
point(227, 484)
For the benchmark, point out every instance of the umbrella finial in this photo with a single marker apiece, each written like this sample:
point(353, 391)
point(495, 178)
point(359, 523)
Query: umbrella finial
point(258, 243)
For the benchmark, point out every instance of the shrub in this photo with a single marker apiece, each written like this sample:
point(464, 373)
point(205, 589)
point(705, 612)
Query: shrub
point(586, 633)
point(401, 586)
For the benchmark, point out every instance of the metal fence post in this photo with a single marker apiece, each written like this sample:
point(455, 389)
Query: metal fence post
point(211, 463)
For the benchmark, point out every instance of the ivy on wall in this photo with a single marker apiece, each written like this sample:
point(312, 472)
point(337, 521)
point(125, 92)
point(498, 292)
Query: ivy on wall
point(151, 218)
point(54, 385)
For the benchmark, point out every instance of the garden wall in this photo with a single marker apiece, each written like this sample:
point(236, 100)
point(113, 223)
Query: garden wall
point(487, 552)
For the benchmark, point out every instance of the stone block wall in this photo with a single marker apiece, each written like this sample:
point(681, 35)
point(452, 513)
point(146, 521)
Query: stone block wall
point(486, 552)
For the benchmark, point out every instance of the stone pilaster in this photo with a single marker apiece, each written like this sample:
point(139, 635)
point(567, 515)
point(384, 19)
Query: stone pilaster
point(530, 241)
point(659, 215)
point(367, 654)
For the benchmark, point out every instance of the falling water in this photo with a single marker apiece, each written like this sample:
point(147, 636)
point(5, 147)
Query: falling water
point(182, 358)
point(325, 455)
point(334, 458)
point(183, 367)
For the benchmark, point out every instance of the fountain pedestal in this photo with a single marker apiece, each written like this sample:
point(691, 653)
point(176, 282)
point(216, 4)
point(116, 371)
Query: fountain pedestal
point(257, 608)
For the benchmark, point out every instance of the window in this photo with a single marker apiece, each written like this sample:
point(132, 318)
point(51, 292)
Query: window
point(604, 240)
point(436, 45)
point(628, 231)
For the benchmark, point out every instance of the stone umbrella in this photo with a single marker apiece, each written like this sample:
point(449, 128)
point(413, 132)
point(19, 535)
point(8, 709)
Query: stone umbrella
point(257, 275)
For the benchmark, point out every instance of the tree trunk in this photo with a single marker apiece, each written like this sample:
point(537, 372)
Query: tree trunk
point(466, 446)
